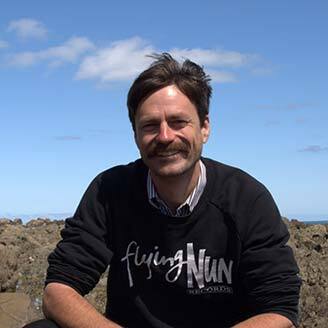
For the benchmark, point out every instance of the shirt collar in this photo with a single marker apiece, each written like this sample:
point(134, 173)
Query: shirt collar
point(189, 204)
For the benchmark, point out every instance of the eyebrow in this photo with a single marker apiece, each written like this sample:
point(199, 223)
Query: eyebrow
point(149, 120)
point(179, 116)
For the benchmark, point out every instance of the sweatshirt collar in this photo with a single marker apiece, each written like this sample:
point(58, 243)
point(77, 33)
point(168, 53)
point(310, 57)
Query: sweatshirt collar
point(185, 208)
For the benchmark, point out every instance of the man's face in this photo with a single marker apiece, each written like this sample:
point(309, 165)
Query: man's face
point(168, 132)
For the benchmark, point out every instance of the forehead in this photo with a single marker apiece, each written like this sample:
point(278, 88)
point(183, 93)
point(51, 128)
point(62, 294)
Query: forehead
point(169, 100)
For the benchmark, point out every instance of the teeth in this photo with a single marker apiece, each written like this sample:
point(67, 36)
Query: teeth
point(167, 154)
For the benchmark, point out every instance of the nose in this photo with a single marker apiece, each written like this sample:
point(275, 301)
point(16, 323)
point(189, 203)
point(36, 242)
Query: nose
point(165, 133)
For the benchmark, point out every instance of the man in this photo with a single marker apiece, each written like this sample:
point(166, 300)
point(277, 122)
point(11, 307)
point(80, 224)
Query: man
point(191, 242)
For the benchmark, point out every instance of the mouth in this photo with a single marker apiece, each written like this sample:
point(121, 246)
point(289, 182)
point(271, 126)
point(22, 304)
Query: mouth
point(167, 154)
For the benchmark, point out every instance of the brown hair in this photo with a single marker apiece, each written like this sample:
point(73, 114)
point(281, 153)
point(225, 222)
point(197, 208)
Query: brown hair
point(189, 77)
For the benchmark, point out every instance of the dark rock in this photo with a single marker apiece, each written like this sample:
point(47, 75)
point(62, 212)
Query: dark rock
point(16, 309)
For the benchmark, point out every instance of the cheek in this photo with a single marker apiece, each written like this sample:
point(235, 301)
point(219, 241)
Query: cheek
point(143, 142)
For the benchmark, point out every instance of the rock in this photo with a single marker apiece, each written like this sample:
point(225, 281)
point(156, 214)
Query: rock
point(8, 265)
point(38, 222)
point(15, 310)
point(4, 221)
point(17, 221)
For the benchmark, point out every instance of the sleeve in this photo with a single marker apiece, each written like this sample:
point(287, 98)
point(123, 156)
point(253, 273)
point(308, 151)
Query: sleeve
point(83, 254)
point(268, 270)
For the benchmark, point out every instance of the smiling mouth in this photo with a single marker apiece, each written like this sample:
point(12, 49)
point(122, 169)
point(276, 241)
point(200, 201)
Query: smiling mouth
point(167, 154)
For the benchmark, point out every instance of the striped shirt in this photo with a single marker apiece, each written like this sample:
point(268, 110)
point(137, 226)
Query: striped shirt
point(187, 207)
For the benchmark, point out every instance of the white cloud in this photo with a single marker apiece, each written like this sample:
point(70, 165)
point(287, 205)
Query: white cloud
point(69, 51)
point(314, 149)
point(124, 59)
point(211, 57)
point(221, 76)
point(28, 28)
point(3, 44)
point(286, 107)
point(68, 138)
point(262, 71)
point(121, 61)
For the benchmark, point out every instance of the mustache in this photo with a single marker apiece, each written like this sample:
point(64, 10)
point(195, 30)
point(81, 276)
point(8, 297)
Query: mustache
point(158, 148)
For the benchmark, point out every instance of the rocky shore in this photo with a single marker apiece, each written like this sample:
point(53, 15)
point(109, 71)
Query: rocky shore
point(23, 261)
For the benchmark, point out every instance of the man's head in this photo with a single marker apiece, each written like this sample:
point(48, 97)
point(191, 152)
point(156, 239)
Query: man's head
point(168, 107)
point(189, 78)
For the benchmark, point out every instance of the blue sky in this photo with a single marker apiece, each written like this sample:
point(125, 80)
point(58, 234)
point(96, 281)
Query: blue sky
point(65, 69)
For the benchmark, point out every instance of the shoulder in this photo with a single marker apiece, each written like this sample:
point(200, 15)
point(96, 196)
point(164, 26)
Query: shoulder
point(230, 182)
point(119, 178)
point(121, 172)
point(245, 200)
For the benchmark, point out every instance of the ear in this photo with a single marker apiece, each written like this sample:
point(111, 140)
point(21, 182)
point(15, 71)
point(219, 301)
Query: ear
point(205, 129)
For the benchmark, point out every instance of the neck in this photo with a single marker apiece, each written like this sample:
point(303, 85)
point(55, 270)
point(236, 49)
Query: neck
point(175, 190)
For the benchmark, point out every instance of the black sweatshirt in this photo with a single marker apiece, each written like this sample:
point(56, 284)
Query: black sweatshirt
point(224, 263)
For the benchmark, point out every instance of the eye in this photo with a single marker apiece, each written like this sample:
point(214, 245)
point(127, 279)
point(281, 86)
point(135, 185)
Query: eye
point(149, 127)
point(178, 124)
